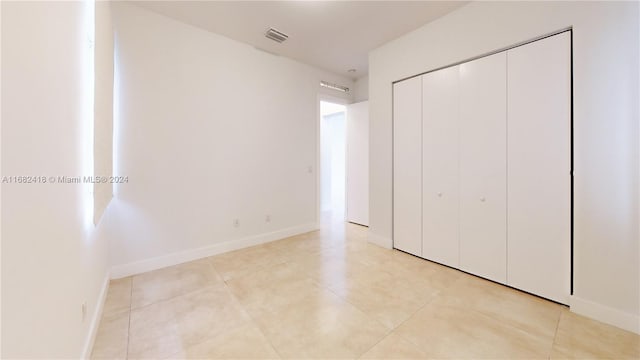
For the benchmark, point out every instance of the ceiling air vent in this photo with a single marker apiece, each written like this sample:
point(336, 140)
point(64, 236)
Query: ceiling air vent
point(276, 35)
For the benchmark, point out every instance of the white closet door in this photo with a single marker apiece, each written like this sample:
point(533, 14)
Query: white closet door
point(440, 108)
point(539, 163)
point(483, 167)
point(407, 166)
point(358, 163)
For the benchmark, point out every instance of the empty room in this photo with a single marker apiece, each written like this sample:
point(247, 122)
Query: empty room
point(320, 179)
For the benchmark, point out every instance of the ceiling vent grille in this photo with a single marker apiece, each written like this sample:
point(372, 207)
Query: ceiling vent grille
point(276, 35)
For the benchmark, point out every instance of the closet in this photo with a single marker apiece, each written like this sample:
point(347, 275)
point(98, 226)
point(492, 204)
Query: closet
point(407, 173)
point(440, 176)
point(483, 170)
point(482, 166)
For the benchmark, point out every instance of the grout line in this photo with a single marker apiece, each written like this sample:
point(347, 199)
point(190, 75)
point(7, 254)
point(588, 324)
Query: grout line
point(555, 334)
point(199, 289)
point(374, 345)
point(438, 293)
point(218, 275)
point(515, 327)
point(252, 320)
point(366, 315)
point(350, 303)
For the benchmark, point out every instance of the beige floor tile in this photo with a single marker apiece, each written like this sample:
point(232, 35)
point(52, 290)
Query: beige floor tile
point(163, 284)
point(331, 294)
point(280, 297)
point(391, 302)
point(394, 347)
point(529, 313)
point(322, 326)
point(307, 244)
point(421, 271)
point(444, 331)
point(582, 338)
point(111, 339)
point(171, 326)
point(273, 289)
point(387, 298)
point(367, 285)
point(267, 279)
point(422, 280)
point(119, 296)
point(242, 262)
point(339, 266)
point(368, 253)
point(246, 342)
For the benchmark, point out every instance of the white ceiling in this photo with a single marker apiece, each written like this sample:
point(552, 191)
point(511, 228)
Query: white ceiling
point(333, 35)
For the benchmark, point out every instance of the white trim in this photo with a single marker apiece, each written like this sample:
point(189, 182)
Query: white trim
point(379, 240)
point(605, 314)
point(142, 266)
point(95, 320)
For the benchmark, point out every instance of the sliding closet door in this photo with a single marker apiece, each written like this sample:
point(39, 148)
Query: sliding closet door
point(539, 163)
point(483, 167)
point(440, 109)
point(407, 166)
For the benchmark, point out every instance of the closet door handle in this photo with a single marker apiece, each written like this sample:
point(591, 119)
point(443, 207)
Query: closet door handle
point(482, 199)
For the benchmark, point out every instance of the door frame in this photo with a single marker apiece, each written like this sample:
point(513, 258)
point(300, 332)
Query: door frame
point(336, 100)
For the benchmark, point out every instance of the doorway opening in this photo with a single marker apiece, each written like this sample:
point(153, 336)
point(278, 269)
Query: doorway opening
point(333, 141)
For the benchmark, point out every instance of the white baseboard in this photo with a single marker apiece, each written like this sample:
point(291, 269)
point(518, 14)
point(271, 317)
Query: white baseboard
point(139, 267)
point(380, 240)
point(605, 314)
point(95, 319)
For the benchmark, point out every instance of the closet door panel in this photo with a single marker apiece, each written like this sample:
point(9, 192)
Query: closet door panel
point(483, 167)
point(407, 166)
point(539, 163)
point(440, 109)
point(358, 163)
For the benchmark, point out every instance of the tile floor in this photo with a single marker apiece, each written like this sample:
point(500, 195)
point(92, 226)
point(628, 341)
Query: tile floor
point(329, 294)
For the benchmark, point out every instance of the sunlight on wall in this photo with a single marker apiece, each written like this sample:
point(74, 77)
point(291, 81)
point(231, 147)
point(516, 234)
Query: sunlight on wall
point(116, 118)
point(88, 85)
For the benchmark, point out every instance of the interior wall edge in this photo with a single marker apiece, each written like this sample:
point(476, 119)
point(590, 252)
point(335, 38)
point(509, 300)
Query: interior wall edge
point(380, 240)
point(95, 318)
point(606, 314)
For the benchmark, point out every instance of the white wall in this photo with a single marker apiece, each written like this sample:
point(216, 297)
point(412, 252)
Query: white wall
point(208, 130)
point(361, 89)
point(53, 259)
point(606, 38)
point(103, 109)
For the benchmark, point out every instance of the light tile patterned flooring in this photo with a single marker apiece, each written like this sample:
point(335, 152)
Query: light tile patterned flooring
point(330, 294)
